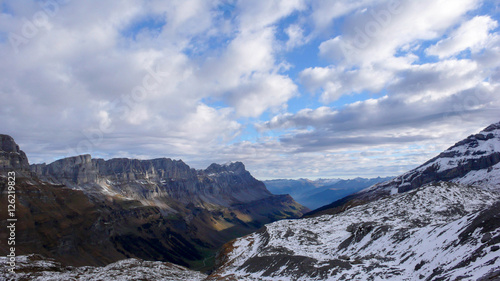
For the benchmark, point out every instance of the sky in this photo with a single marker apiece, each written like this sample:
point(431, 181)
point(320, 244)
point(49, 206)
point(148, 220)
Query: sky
point(292, 88)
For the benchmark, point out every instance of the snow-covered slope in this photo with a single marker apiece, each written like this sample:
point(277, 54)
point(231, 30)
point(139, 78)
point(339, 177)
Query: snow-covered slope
point(34, 267)
point(473, 161)
point(443, 230)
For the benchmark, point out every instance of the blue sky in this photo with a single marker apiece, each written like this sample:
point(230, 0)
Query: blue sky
point(292, 88)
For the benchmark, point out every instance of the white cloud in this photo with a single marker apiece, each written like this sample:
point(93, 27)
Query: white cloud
point(259, 14)
point(337, 81)
point(365, 54)
point(246, 74)
point(375, 33)
point(261, 93)
point(472, 35)
point(295, 36)
point(206, 123)
point(325, 11)
point(75, 84)
point(85, 71)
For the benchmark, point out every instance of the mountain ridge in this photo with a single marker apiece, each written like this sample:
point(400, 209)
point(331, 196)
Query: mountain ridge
point(474, 160)
point(156, 178)
point(85, 211)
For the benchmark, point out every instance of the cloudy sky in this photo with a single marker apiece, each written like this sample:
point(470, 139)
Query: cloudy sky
point(293, 88)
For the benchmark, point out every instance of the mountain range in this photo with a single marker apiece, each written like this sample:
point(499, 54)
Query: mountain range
point(82, 211)
point(317, 193)
point(439, 221)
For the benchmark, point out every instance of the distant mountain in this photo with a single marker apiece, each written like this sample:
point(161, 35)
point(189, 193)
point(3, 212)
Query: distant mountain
point(440, 221)
point(317, 193)
point(296, 188)
point(84, 211)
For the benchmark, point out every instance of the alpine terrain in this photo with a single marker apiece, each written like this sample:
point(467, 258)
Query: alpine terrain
point(440, 221)
point(81, 211)
point(316, 193)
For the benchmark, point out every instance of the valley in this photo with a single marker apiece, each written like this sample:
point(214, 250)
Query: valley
point(93, 217)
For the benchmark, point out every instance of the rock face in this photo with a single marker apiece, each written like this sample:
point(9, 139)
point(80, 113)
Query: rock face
point(438, 232)
point(83, 169)
point(162, 178)
point(84, 211)
point(11, 157)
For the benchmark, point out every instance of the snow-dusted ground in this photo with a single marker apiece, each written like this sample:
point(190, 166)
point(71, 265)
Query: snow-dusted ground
point(485, 177)
point(430, 232)
point(34, 267)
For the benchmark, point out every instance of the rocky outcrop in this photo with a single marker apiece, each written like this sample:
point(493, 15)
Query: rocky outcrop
point(11, 157)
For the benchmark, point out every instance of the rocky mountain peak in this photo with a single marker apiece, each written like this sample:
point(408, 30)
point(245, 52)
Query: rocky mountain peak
point(76, 160)
point(231, 167)
point(11, 157)
point(236, 167)
point(492, 132)
point(492, 127)
point(7, 144)
point(473, 161)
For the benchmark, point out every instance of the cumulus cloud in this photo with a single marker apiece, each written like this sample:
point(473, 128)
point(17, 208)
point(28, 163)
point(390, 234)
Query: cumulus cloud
point(375, 33)
point(261, 93)
point(295, 36)
point(365, 54)
point(96, 77)
point(334, 82)
point(191, 79)
point(259, 14)
point(472, 35)
point(425, 104)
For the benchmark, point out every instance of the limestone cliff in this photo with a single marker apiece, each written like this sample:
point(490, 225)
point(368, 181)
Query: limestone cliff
point(11, 157)
point(85, 211)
